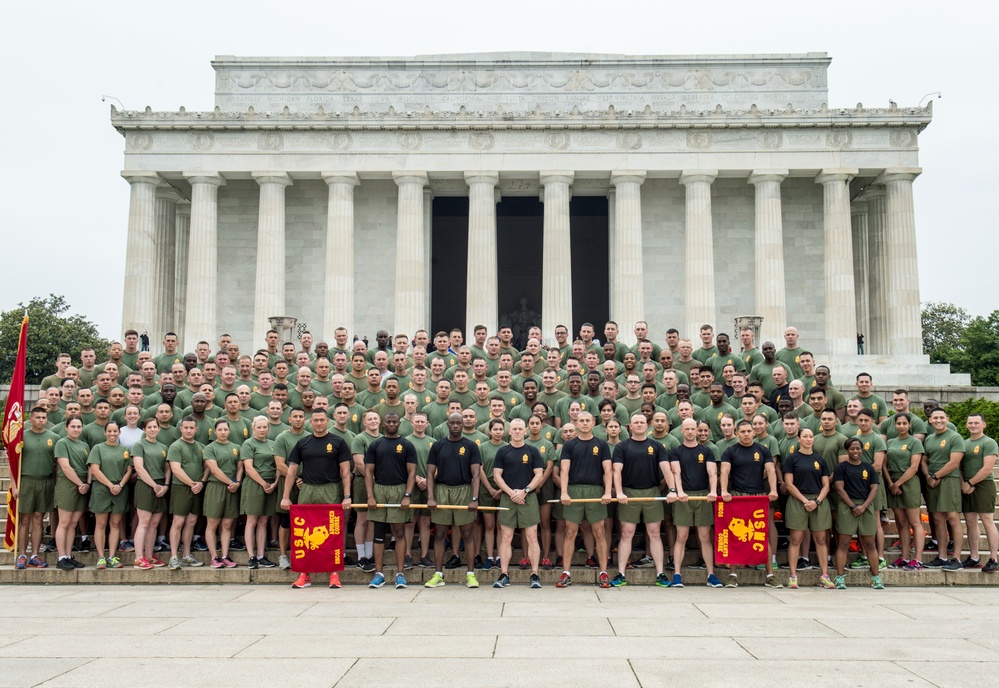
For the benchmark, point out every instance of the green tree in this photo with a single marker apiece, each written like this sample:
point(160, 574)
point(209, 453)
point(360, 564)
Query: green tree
point(943, 324)
point(959, 411)
point(978, 351)
point(51, 330)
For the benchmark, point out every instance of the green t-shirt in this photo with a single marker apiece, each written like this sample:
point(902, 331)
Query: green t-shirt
point(667, 441)
point(360, 444)
point(975, 452)
point(168, 436)
point(830, 448)
point(113, 461)
point(436, 413)
point(239, 430)
point(713, 416)
point(876, 404)
point(76, 452)
point(274, 430)
point(544, 447)
point(873, 442)
point(791, 358)
point(225, 456)
point(899, 455)
point(763, 373)
point(153, 456)
point(917, 426)
point(93, 434)
point(704, 355)
point(286, 441)
point(487, 450)
point(751, 358)
point(938, 448)
point(190, 457)
point(719, 362)
point(422, 445)
point(262, 455)
point(165, 361)
point(38, 453)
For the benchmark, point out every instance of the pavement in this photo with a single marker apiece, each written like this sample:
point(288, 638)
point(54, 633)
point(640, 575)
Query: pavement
point(250, 635)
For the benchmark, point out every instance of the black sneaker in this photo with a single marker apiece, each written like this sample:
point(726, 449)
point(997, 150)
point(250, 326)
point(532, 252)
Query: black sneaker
point(698, 565)
point(349, 560)
point(161, 546)
point(937, 563)
point(804, 564)
point(199, 546)
point(991, 566)
point(251, 563)
point(77, 564)
point(368, 565)
point(86, 545)
point(452, 563)
point(236, 545)
point(930, 544)
point(265, 563)
point(952, 565)
point(950, 547)
point(426, 563)
point(65, 565)
point(970, 563)
point(75, 548)
point(407, 563)
point(478, 561)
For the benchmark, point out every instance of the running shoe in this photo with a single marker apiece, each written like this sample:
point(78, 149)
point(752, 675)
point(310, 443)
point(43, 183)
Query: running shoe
point(899, 563)
point(618, 581)
point(251, 563)
point(115, 563)
point(713, 581)
point(85, 544)
point(603, 580)
point(914, 565)
point(677, 581)
point(367, 565)
point(77, 564)
point(35, 563)
point(772, 582)
point(877, 583)
point(644, 563)
point(199, 546)
point(564, 581)
point(407, 563)
point(236, 545)
point(733, 581)
point(698, 565)
point(426, 563)
point(102, 563)
point(157, 562)
point(792, 582)
point(47, 547)
point(841, 582)
point(65, 565)
point(478, 562)
point(950, 547)
point(804, 564)
point(216, 563)
point(525, 564)
point(882, 564)
point(662, 580)
point(436, 581)
point(400, 581)
point(377, 582)
point(284, 563)
point(591, 563)
point(334, 581)
point(229, 563)
point(453, 562)
point(990, 566)
point(470, 580)
point(859, 564)
point(22, 562)
point(502, 582)
point(161, 546)
point(142, 563)
point(535, 581)
point(952, 565)
point(191, 561)
point(173, 566)
point(265, 563)
point(303, 581)
point(937, 563)
point(826, 583)
point(970, 563)
point(546, 564)
point(126, 546)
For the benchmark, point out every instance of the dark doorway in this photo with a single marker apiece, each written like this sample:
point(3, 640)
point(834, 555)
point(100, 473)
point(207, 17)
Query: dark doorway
point(449, 263)
point(590, 271)
point(520, 240)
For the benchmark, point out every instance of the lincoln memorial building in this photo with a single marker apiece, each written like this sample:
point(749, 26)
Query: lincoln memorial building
point(452, 190)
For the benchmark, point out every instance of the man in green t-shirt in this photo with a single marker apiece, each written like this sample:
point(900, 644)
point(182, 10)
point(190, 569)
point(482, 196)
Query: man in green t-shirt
point(871, 401)
point(165, 360)
point(35, 488)
point(707, 350)
point(979, 492)
point(791, 353)
point(943, 452)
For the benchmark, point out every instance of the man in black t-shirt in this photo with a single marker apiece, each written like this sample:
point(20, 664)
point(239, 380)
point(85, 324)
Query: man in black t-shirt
point(518, 471)
point(323, 462)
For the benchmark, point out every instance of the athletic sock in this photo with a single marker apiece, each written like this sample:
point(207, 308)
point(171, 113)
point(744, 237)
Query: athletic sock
point(360, 551)
point(369, 548)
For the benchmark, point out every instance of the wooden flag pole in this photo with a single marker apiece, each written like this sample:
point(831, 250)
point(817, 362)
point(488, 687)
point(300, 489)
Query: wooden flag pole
point(597, 500)
point(446, 507)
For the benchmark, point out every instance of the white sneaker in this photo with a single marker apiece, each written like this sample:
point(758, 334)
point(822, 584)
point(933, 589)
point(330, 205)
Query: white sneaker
point(284, 563)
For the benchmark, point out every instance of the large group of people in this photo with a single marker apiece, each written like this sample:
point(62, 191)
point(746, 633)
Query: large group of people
point(579, 441)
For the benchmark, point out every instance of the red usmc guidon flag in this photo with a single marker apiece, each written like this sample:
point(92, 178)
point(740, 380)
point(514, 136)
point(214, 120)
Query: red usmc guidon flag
point(12, 431)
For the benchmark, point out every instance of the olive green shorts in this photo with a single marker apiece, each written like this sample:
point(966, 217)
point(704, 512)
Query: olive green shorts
point(219, 502)
point(982, 500)
point(910, 497)
point(592, 513)
point(419, 497)
point(641, 512)
point(457, 495)
point(184, 503)
point(67, 495)
point(945, 497)
point(36, 495)
point(520, 515)
point(146, 499)
point(847, 524)
point(485, 498)
point(254, 501)
point(359, 491)
point(103, 502)
point(547, 491)
point(390, 494)
point(797, 518)
point(280, 495)
point(881, 498)
point(327, 493)
point(696, 513)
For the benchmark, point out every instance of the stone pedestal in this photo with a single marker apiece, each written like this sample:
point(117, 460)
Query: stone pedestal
point(410, 260)
point(338, 307)
point(840, 295)
point(139, 307)
point(699, 285)
point(905, 325)
point(628, 296)
point(556, 281)
point(202, 263)
point(771, 300)
point(482, 290)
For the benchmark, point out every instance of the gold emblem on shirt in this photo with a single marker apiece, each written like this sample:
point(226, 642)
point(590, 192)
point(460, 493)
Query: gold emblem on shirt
point(817, 466)
point(756, 456)
point(596, 450)
point(235, 452)
point(125, 454)
point(524, 459)
point(398, 449)
point(976, 450)
point(461, 451)
point(943, 443)
point(864, 474)
point(905, 447)
point(700, 458)
point(329, 448)
point(651, 450)
point(867, 445)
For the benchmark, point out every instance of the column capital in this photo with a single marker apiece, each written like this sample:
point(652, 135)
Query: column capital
point(142, 177)
point(698, 176)
point(762, 176)
point(420, 178)
point(332, 178)
point(556, 176)
point(898, 174)
point(836, 174)
point(165, 192)
point(626, 176)
point(282, 178)
point(490, 177)
point(205, 178)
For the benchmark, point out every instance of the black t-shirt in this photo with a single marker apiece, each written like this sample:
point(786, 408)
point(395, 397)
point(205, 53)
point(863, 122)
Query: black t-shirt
point(320, 458)
point(518, 464)
point(586, 459)
point(390, 457)
point(747, 470)
point(640, 463)
point(807, 471)
point(454, 460)
point(778, 394)
point(857, 479)
point(693, 466)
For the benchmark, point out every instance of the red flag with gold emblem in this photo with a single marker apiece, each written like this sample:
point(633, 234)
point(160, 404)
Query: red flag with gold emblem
point(316, 538)
point(742, 528)
point(13, 431)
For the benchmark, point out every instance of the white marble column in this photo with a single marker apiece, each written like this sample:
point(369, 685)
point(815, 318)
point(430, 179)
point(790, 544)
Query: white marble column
point(183, 235)
point(202, 262)
point(771, 299)
point(699, 292)
point(627, 302)
point(861, 261)
point(482, 285)
point(410, 259)
point(139, 305)
point(840, 295)
point(268, 300)
point(338, 307)
point(878, 341)
point(556, 279)
point(166, 255)
point(611, 240)
point(428, 223)
point(904, 322)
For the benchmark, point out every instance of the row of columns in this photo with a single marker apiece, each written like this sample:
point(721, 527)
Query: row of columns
point(180, 243)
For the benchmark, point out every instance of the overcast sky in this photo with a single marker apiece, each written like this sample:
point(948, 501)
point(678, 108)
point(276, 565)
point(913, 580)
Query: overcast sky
point(64, 206)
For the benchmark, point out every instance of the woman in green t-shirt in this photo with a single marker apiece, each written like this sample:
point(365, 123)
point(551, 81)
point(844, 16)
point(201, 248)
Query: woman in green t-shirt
point(225, 471)
point(901, 465)
point(153, 477)
point(488, 496)
point(111, 467)
point(72, 488)
point(259, 492)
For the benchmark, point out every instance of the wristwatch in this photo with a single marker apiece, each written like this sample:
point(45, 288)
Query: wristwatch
point(527, 490)
point(933, 476)
point(475, 499)
point(818, 502)
point(407, 494)
point(673, 490)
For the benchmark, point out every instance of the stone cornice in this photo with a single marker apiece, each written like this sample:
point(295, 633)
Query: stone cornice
point(463, 119)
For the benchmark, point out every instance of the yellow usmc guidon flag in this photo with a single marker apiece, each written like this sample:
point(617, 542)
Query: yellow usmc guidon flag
point(12, 432)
